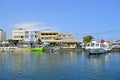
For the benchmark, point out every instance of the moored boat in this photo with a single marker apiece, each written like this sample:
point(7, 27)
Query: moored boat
point(40, 49)
point(96, 47)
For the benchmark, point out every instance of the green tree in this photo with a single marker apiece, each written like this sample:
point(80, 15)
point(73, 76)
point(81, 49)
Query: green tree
point(39, 40)
point(10, 41)
point(87, 39)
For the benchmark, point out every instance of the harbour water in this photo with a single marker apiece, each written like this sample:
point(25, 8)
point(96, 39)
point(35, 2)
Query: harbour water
point(66, 65)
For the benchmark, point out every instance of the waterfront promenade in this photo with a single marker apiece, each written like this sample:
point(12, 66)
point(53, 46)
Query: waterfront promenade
point(47, 49)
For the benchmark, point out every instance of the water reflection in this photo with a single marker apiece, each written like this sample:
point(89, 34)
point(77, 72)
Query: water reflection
point(98, 58)
point(60, 65)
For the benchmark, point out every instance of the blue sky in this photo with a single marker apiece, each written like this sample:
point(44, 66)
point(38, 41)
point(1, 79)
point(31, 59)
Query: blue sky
point(76, 16)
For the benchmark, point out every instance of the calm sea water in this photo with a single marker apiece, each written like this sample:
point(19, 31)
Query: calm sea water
point(68, 65)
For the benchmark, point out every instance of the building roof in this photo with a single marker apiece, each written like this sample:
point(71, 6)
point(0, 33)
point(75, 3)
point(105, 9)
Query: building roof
point(20, 29)
point(65, 34)
point(49, 32)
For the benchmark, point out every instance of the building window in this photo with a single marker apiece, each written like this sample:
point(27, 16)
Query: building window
point(26, 36)
point(42, 34)
point(36, 32)
point(22, 36)
point(27, 32)
point(17, 36)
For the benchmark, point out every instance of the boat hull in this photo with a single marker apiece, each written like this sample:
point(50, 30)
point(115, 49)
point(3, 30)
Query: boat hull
point(98, 51)
point(37, 49)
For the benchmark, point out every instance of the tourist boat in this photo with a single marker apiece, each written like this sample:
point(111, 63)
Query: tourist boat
point(39, 49)
point(96, 47)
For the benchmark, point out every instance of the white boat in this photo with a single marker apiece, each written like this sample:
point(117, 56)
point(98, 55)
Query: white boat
point(7, 49)
point(96, 47)
point(54, 49)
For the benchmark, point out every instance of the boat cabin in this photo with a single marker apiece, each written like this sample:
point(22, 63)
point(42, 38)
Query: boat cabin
point(94, 45)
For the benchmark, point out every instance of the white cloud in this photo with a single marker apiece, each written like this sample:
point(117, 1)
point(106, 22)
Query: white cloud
point(33, 25)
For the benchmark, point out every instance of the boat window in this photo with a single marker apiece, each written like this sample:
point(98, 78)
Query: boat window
point(101, 45)
point(92, 44)
point(97, 44)
point(88, 45)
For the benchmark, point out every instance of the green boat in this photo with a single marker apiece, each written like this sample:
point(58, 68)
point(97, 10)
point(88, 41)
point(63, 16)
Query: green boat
point(41, 49)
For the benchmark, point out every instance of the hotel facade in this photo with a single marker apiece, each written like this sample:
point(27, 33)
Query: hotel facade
point(32, 36)
point(67, 37)
point(49, 36)
point(56, 37)
point(25, 36)
point(18, 35)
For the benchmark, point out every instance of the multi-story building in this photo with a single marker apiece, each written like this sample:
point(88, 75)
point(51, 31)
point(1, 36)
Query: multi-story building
point(31, 36)
point(18, 35)
point(49, 36)
point(67, 37)
point(25, 36)
point(2, 35)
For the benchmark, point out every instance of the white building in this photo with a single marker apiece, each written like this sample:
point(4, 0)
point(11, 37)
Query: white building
point(18, 34)
point(31, 36)
point(2, 35)
point(26, 36)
